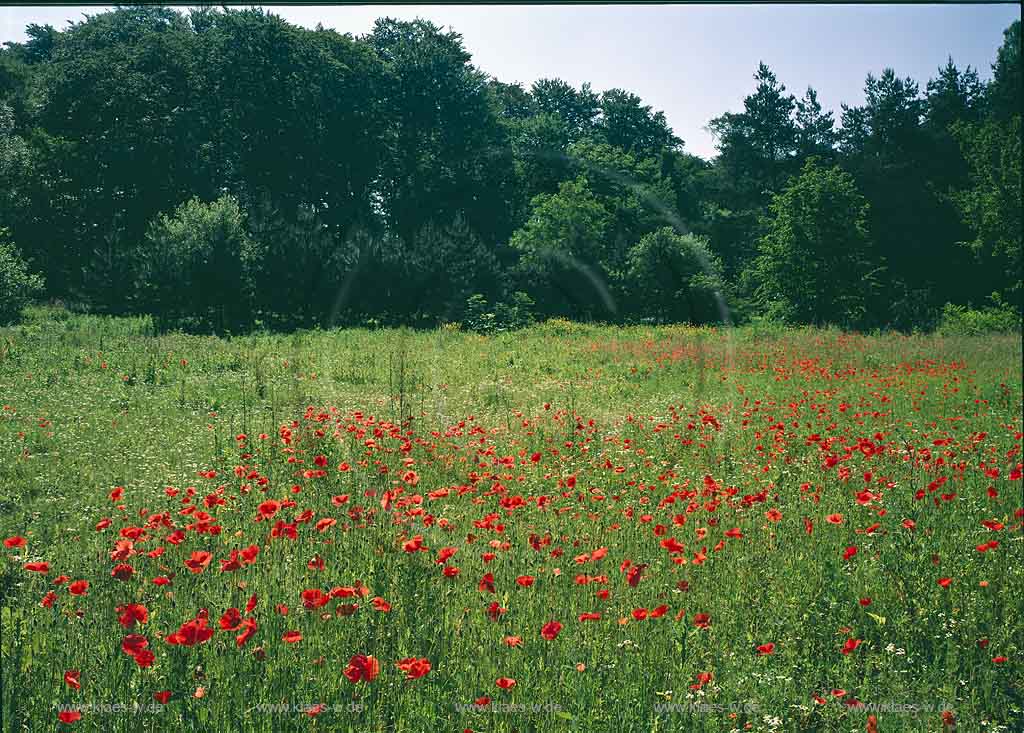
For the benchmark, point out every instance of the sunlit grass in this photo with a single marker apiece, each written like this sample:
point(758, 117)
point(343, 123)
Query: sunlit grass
point(640, 435)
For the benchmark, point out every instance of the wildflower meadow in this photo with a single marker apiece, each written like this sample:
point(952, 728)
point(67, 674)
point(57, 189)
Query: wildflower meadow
point(562, 528)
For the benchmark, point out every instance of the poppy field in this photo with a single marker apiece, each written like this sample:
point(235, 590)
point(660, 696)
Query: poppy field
point(568, 527)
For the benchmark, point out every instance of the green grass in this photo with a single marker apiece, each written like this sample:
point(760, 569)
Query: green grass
point(635, 415)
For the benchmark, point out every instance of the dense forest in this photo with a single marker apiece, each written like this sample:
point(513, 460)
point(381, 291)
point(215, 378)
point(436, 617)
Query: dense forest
point(225, 170)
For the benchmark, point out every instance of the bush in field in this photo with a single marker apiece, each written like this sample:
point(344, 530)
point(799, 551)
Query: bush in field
point(814, 264)
point(1000, 317)
point(195, 267)
point(17, 285)
point(674, 277)
point(505, 315)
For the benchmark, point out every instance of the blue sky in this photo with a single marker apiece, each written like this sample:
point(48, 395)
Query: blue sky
point(693, 62)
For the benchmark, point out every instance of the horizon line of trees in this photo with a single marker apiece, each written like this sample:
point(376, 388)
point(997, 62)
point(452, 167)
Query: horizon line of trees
point(224, 169)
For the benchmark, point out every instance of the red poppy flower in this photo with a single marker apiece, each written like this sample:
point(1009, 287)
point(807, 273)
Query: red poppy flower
point(550, 630)
point(834, 519)
point(122, 572)
point(69, 716)
point(672, 545)
point(450, 571)
point(513, 641)
point(487, 583)
point(850, 645)
point(525, 581)
point(634, 575)
point(361, 667)
point(505, 683)
point(267, 509)
point(79, 588)
point(123, 549)
point(144, 658)
point(766, 649)
point(945, 582)
point(231, 620)
point(162, 697)
point(590, 616)
point(73, 679)
point(132, 614)
point(48, 600)
point(291, 637)
point(414, 545)
point(414, 668)
point(640, 614)
point(191, 633)
point(199, 561)
point(248, 630)
point(132, 644)
point(381, 605)
point(702, 620)
point(849, 552)
point(702, 679)
point(314, 598)
point(11, 542)
point(38, 567)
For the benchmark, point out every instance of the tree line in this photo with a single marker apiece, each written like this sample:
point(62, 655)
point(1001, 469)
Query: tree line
point(224, 170)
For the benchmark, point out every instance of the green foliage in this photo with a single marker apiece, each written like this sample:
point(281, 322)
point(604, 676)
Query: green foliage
point(991, 206)
point(298, 266)
point(18, 285)
point(959, 320)
point(814, 264)
point(385, 178)
point(1004, 94)
point(563, 249)
point(510, 315)
point(516, 312)
point(197, 266)
point(676, 278)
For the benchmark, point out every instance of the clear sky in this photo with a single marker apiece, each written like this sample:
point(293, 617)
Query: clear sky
point(692, 61)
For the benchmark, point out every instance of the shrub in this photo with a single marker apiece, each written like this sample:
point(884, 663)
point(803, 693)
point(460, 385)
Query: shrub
point(478, 315)
point(509, 315)
point(195, 267)
point(18, 286)
point(959, 320)
point(675, 277)
point(814, 264)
